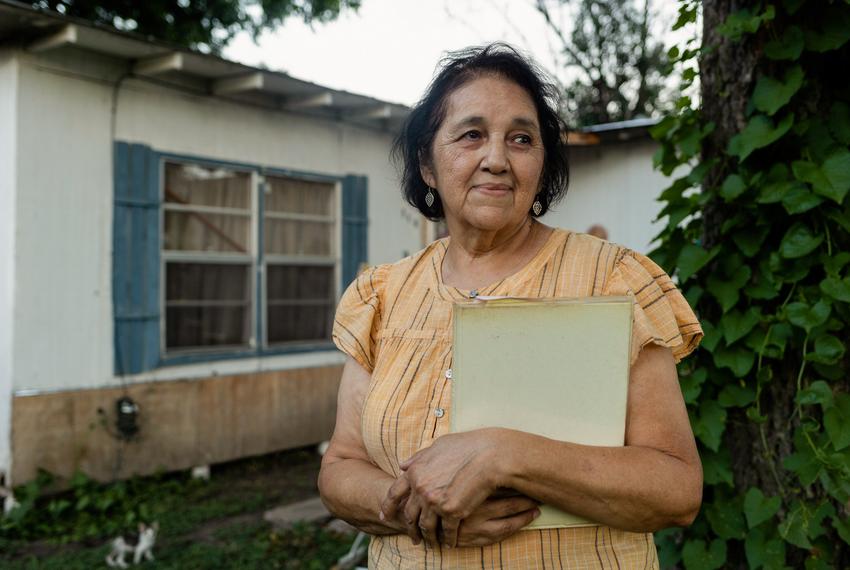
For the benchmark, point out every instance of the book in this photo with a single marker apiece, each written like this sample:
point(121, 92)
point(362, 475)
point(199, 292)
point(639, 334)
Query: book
point(553, 367)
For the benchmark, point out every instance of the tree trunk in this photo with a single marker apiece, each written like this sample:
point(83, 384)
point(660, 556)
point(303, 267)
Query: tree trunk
point(728, 72)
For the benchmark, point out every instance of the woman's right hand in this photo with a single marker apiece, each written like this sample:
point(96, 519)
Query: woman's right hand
point(496, 519)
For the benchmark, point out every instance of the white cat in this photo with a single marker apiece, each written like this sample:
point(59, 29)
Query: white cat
point(144, 548)
point(9, 502)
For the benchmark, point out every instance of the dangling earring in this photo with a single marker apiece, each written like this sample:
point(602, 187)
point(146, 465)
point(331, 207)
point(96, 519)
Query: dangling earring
point(429, 198)
point(537, 207)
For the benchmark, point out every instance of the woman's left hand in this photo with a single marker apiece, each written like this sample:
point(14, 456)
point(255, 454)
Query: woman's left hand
point(447, 481)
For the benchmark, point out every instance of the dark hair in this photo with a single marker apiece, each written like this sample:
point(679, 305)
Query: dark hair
point(413, 144)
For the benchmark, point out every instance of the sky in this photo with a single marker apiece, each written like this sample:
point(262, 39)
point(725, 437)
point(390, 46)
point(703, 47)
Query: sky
point(389, 48)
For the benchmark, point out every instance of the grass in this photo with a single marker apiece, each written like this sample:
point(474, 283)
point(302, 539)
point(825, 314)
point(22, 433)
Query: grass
point(215, 524)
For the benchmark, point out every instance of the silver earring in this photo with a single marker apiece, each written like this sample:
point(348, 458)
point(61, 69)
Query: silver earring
point(537, 207)
point(429, 198)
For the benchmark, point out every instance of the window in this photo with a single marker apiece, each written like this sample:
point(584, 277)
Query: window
point(221, 236)
point(212, 261)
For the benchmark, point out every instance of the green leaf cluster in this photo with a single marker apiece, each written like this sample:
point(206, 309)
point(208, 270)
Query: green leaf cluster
point(207, 25)
point(757, 233)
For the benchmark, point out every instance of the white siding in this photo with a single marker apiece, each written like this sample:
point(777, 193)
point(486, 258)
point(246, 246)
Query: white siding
point(613, 185)
point(8, 154)
point(63, 319)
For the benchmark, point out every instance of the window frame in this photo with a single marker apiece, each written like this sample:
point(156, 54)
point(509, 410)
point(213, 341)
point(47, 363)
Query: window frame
point(258, 263)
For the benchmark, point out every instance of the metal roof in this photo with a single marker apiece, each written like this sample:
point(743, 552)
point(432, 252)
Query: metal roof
point(39, 31)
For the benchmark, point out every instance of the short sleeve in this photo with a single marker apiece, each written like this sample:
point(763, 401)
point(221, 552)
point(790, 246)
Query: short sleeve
point(662, 316)
point(358, 316)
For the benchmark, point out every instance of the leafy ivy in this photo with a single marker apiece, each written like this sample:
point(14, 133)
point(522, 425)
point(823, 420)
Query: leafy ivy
point(758, 236)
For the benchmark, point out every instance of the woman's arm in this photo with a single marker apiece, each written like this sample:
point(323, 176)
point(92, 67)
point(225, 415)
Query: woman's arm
point(653, 482)
point(351, 486)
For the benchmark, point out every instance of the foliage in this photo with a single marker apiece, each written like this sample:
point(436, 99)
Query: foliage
point(621, 67)
point(237, 546)
point(760, 234)
point(92, 510)
point(203, 524)
point(201, 24)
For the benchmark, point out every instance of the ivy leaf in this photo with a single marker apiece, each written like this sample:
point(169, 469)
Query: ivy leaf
point(716, 467)
point(737, 325)
point(789, 46)
point(735, 396)
point(836, 169)
point(798, 200)
point(805, 465)
point(691, 384)
point(749, 239)
point(816, 528)
point(758, 133)
point(710, 424)
point(711, 336)
point(726, 519)
point(726, 290)
point(834, 263)
point(759, 508)
point(833, 33)
point(762, 552)
point(776, 191)
point(836, 420)
point(754, 416)
point(779, 335)
point(693, 258)
point(770, 94)
point(732, 187)
point(798, 241)
point(839, 122)
point(806, 317)
point(828, 350)
point(843, 528)
point(697, 557)
point(739, 23)
point(841, 218)
point(831, 179)
point(738, 360)
point(793, 528)
point(818, 392)
point(807, 171)
point(838, 289)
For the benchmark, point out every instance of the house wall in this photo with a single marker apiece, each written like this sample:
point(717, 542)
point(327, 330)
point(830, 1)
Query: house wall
point(70, 108)
point(8, 173)
point(616, 186)
point(64, 333)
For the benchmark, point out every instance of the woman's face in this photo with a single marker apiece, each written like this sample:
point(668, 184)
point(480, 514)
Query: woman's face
point(487, 156)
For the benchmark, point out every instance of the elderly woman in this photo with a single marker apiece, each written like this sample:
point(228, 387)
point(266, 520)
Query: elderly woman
point(483, 149)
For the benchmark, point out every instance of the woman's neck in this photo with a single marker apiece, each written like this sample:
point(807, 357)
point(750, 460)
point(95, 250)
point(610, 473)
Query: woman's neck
point(475, 258)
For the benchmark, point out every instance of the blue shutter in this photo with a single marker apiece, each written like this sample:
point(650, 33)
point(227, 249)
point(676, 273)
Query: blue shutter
point(355, 226)
point(135, 258)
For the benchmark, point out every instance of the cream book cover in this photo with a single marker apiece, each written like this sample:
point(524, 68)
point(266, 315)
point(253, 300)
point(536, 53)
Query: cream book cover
point(554, 367)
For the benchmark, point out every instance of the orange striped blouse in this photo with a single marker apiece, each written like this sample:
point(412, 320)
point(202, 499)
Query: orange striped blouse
point(396, 321)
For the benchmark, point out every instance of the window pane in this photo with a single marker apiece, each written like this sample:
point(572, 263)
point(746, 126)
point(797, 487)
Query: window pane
point(198, 327)
point(196, 231)
point(292, 323)
point(294, 237)
point(289, 282)
point(206, 282)
point(300, 303)
point(207, 305)
point(201, 186)
point(299, 196)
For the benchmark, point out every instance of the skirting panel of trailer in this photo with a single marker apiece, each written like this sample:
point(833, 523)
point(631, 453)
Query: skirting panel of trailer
point(181, 423)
